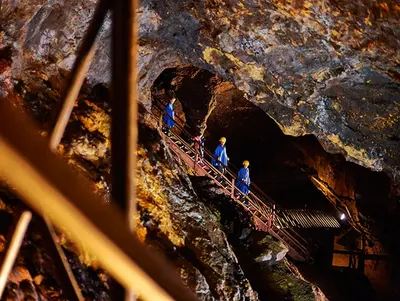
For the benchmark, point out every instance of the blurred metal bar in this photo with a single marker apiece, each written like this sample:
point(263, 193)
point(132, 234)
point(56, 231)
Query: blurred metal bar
point(124, 103)
point(124, 112)
point(66, 278)
point(47, 183)
point(68, 99)
point(12, 250)
point(78, 74)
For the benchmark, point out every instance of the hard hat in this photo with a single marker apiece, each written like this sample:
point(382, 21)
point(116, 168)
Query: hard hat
point(223, 139)
point(246, 163)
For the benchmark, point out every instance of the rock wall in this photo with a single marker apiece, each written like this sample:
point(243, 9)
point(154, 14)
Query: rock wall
point(323, 67)
point(327, 68)
point(178, 221)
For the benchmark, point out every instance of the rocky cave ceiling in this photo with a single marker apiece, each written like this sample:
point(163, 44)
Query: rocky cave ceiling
point(327, 68)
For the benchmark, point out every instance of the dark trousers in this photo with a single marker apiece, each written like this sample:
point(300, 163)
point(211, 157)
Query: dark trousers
point(166, 130)
point(221, 170)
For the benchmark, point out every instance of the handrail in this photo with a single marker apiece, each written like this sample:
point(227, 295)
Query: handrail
point(228, 170)
point(267, 199)
point(260, 206)
point(209, 165)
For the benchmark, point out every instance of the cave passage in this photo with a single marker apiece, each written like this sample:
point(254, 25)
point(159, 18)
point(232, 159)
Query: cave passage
point(205, 102)
point(280, 165)
point(193, 89)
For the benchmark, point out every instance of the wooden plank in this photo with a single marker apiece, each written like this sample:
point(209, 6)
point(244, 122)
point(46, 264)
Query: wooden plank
point(48, 184)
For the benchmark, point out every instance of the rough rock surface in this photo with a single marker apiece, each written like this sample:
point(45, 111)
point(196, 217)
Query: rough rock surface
point(174, 219)
point(324, 67)
point(329, 68)
point(261, 257)
point(280, 161)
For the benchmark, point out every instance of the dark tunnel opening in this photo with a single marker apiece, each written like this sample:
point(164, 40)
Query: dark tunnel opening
point(280, 165)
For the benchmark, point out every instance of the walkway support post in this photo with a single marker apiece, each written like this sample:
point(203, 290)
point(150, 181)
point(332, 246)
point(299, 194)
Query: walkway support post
point(269, 224)
point(233, 189)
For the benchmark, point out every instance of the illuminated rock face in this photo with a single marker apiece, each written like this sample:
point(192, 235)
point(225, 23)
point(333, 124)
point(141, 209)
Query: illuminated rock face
point(328, 68)
point(176, 217)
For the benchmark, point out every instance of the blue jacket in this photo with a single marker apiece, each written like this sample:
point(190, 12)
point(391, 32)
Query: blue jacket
point(243, 180)
point(169, 115)
point(220, 154)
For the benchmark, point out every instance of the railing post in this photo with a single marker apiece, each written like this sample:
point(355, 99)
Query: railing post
point(196, 157)
point(269, 224)
point(271, 218)
point(273, 214)
point(233, 189)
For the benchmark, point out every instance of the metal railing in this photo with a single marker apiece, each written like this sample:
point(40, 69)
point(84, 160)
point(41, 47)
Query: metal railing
point(264, 210)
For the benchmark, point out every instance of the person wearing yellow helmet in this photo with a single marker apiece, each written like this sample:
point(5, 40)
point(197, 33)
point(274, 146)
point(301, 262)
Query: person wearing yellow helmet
point(243, 181)
point(220, 158)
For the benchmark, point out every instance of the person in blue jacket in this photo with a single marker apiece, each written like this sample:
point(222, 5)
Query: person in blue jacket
point(243, 180)
point(169, 116)
point(220, 158)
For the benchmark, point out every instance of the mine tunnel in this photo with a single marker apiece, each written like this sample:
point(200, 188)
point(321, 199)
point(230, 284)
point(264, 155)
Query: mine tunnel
point(282, 166)
point(307, 91)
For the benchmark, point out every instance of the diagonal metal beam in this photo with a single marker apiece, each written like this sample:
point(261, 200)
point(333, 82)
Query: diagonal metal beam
point(13, 247)
point(64, 274)
point(78, 74)
point(47, 183)
point(70, 93)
